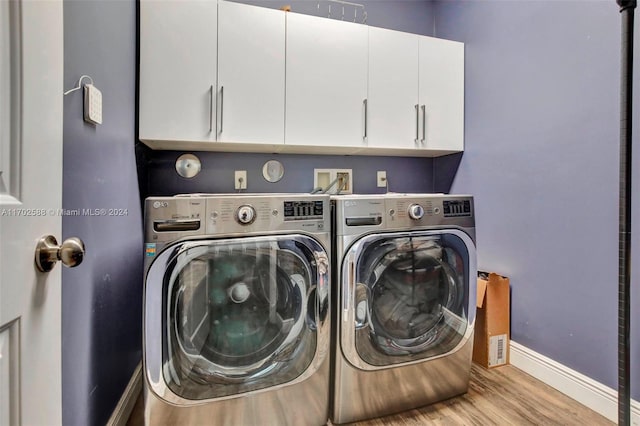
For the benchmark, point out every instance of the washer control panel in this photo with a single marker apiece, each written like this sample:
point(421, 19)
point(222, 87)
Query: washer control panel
point(245, 215)
point(416, 211)
point(261, 213)
point(171, 218)
point(303, 210)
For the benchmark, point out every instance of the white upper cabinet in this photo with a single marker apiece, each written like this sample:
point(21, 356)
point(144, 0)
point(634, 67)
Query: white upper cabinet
point(326, 83)
point(226, 76)
point(178, 70)
point(416, 92)
point(393, 89)
point(442, 94)
point(251, 79)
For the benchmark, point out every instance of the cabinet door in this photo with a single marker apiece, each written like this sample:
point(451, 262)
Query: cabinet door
point(178, 42)
point(326, 81)
point(251, 61)
point(442, 94)
point(393, 89)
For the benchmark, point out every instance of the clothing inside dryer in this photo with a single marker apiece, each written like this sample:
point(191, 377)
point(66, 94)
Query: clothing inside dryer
point(415, 294)
point(237, 313)
point(406, 303)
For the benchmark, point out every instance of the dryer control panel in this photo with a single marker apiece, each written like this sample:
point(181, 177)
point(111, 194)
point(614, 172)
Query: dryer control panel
point(357, 214)
point(429, 210)
point(456, 208)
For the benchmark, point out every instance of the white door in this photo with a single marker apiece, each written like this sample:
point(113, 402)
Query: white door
point(250, 73)
point(326, 81)
point(442, 94)
point(31, 76)
point(178, 45)
point(393, 89)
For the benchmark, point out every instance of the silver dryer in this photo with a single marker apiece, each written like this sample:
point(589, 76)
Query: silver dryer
point(405, 296)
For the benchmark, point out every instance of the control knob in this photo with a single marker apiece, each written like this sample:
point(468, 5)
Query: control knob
point(416, 211)
point(245, 215)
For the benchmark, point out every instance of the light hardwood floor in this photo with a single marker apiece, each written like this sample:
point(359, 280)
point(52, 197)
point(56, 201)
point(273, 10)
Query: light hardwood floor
point(501, 396)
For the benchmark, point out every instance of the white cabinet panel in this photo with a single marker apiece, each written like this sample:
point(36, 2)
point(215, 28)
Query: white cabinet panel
point(416, 92)
point(261, 80)
point(393, 89)
point(251, 66)
point(178, 42)
point(442, 93)
point(326, 82)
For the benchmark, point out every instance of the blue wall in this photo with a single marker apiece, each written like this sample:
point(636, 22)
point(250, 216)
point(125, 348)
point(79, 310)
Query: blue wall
point(412, 16)
point(101, 298)
point(403, 174)
point(541, 157)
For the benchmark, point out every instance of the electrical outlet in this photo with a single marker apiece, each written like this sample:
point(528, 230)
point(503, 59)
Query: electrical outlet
point(382, 178)
point(240, 179)
point(92, 104)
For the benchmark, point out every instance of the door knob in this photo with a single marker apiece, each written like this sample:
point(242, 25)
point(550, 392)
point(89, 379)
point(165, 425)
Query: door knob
point(48, 252)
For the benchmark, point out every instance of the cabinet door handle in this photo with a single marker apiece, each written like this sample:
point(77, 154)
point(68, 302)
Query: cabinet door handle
point(221, 107)
point(417, 123)
point(211, 109)
point(424, 123)
point(366, 116)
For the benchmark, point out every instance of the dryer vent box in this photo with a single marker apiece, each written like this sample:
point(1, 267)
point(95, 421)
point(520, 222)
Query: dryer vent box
point(492, 336)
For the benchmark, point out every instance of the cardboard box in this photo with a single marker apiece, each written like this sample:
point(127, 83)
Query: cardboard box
point(491, 341)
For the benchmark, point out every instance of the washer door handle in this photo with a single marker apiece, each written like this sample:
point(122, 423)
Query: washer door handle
point(361, 306)
point(312, 308)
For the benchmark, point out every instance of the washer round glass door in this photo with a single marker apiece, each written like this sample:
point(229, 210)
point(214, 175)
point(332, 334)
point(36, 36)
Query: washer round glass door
point(240, 314)
point(410, 295)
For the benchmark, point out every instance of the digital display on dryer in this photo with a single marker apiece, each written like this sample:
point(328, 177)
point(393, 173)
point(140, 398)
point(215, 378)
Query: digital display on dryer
point(302, 210)
point(457, 208)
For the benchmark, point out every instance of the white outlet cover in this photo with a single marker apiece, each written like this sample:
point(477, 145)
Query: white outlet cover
point(92, 104)
point(238, 175)
point(323, 178)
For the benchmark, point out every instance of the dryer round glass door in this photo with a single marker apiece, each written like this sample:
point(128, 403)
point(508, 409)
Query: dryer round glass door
point(240, 314)
point(410, 295)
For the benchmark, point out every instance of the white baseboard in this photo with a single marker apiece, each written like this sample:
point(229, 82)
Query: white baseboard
point(583, 389)
point(128, 399)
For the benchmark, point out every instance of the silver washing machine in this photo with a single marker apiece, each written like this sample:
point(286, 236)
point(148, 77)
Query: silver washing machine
point(405, 301)
point(236, 309)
